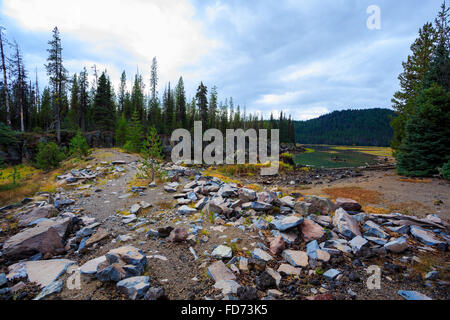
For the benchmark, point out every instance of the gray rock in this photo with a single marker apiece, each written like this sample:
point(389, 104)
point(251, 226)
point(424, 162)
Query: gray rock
point(426, 237)
point(261, 206)
point(183, 210)
point(134, 287)
point(90, 267)
point(319, 204)
point(374, 230)
point(3, 280)
point(331, 273)
point(222, 252)
point(398, 245)
point(345, 224)
point(357, 243)
point(296, 258)
point(285, 223)
point(227, 286)
point(413, 295)
point(54, 287)
point(261, 255)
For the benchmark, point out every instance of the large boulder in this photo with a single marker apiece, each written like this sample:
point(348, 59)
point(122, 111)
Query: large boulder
point(46, 238)
point(134, 287)
point(311, 230)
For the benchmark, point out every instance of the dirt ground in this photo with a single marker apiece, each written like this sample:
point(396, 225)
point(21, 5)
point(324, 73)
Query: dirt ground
point(418, 197)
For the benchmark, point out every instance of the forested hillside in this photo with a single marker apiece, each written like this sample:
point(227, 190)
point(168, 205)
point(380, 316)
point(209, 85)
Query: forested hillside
point(370, 127)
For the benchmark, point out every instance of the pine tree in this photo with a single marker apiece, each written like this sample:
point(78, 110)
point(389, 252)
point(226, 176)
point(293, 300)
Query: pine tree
point(135, 134)
point(137, 97)
point(103, 112)
point(83, 99)
point(426, 146)
point(5, 80)
point(75, 101)
point(58, 78)
point(180, 101)
point(121, 131)
point(168, 110)
point(122, 90)
point(212, 108)
point(202, 104)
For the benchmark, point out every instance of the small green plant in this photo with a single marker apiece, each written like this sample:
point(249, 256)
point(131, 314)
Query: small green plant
point(319, 271)
point(49, 156)
point(15, 175)
point(151, 152)
point(445, 171)
point(78, 146)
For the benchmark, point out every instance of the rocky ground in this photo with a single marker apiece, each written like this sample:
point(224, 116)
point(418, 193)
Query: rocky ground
point(103, 235)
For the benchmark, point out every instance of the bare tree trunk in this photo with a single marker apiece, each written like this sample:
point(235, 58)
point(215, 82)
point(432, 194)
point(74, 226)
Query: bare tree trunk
point(5, 81)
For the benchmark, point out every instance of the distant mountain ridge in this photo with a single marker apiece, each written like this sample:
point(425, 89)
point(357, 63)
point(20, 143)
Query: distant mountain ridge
point(367, 127)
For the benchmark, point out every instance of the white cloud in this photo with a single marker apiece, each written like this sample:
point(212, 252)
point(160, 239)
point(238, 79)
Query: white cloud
point(162, 28)
point(277, 99)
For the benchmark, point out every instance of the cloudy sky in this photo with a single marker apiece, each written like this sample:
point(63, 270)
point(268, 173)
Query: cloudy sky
point(306, 57)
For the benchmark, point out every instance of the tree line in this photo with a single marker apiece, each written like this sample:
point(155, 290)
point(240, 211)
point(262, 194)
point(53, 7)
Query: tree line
point(369, 127)
point(421, 140)
point(71, 102)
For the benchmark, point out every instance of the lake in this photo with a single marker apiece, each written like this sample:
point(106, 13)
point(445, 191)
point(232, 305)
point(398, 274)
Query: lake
point(339, 156)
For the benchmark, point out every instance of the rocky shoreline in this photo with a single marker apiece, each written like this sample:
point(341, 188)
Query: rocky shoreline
point(231, 241)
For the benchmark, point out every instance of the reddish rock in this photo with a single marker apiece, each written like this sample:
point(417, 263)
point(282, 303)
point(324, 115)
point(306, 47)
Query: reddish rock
point(325, 296)
point(51, 244)
point(178, 235)
point(348, 204)
point(277, 245)
point(311, 230)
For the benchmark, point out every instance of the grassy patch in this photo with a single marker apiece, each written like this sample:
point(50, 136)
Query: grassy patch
point(363, 196)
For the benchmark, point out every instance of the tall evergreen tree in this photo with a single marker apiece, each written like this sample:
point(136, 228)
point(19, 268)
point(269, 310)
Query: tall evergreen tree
point(58, 78)
point(202, 104)
point(180, 101)
point(103, 111)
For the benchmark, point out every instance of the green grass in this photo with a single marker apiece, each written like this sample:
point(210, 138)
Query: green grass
point(322, 156)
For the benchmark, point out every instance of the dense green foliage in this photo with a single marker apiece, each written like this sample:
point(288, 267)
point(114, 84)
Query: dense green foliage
point(49, 156)
point(78, 145)
point(422, 137)
point(349, 127)
point(445, 171)
point(426, 145)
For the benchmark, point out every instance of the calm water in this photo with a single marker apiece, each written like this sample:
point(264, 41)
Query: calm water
point(323, 157)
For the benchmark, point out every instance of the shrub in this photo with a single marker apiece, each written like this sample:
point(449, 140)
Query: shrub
point(78, 146)
point(445, 170)
point(49, 156)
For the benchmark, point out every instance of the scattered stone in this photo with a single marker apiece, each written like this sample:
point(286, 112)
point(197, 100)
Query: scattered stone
point(183, 210)
point(227, 286)
point(178, 235)
point(331, 274)
point(155, 293)
point(90, 267)
point(398, 245)
point(277, 245)
point(135, 208)
point(54, 287)
point(265, 281)
point(426, 237)
point(289, 270)
point(134, 287)
point(311, 230)
point(413, 295)
point(247, 293)
point(47, 211)
point(357, 243)
point(432, 275)
point(261, 255)
point(319, 204)
point(345, 224)
point(296, 258)
point(42, 272)
point(222, 252)
point(3, 280)
point(218, 271)
point(348, 204)
point(286, 223)
point(374, 230)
